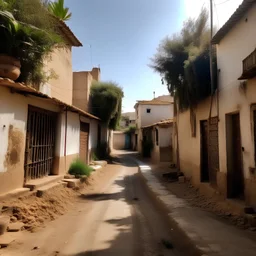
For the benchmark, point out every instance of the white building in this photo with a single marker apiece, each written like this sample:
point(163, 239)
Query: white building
point(41, 132)
point(149, 112)
point(223, 156)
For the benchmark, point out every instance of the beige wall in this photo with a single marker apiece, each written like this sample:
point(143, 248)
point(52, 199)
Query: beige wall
point(231, 51)
point(82, 82)
point(118, 140)
point(60, 87)
point(189, 147)
point(13, 121)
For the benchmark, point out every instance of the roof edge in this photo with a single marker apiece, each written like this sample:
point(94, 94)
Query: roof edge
point(235, 17)
point(70, 36)
point(30, 90)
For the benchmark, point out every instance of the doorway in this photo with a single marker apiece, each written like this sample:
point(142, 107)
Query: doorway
point(40, 142)
point(235, 177)
point(84, 141)
point(204, 151)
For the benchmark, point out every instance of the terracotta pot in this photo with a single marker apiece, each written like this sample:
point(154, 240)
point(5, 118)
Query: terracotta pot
point(9, 67)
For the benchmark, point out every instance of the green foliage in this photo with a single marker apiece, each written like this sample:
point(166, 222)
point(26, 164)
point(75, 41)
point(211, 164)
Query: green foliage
point(29, 34)
point(59, 10)
point(78, 167)
point(183, 61)
point(94, 156)
point(106, 102)
point(131, 129)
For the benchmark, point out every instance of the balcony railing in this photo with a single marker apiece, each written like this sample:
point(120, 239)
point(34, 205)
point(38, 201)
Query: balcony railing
point(249, 66)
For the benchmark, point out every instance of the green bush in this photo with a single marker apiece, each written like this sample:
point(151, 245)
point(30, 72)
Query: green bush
point(78, 167)
point(94, 157)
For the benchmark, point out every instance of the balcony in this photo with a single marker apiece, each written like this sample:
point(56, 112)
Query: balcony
point(249, 66)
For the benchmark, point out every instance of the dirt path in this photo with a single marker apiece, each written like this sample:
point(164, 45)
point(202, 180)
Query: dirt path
point(117, 217)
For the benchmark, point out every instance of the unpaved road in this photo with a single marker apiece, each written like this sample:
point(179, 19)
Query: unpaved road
point(117, 219)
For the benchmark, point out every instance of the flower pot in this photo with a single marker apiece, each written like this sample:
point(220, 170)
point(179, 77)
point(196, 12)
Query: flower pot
point(9, 67)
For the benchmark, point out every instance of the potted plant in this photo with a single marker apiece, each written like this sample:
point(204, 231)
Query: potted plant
point(12, 38)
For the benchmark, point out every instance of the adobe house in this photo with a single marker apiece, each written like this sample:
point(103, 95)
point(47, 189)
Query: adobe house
point(41, 132)
point(219, 154)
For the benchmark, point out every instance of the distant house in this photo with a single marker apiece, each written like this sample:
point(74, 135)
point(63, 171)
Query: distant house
point(221, 150)
point(148, 114)
point(127, 119)
point(44, 129)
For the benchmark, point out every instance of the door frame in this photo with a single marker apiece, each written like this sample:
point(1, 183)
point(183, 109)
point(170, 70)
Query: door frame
point(229, 152)
point(88, 151)
point(202, 153)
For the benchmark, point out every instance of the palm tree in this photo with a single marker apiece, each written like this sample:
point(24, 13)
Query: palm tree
point(58, 9)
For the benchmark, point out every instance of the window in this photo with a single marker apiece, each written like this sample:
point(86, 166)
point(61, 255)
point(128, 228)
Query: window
point(148, 110)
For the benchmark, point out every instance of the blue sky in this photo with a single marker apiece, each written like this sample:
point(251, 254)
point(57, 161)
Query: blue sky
point(123, 35)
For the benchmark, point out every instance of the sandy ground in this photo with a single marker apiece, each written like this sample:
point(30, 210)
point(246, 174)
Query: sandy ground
point(113, 216)
point(213, 204)
point(35, 212)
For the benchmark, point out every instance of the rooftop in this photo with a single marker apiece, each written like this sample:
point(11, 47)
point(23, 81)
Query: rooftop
point(152, 102)
point(235, 17)
point(67, 32)
point(162, 123)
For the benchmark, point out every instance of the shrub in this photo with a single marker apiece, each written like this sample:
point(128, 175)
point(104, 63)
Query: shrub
point(94, 157)
point(30, 34)
point(106, 102)
point(78, 167)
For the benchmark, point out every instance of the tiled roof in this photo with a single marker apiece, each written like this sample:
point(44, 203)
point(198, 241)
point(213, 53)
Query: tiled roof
point(20, 87)
point(236, 16)
point(67, 32)
point(165, 122)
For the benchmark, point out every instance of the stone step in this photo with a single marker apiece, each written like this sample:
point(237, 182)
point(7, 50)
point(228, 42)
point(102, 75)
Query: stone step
point(42, 190)
point(72, 183)
point(38, 183)
point(251, 219)
point(6, 239)
point(4, 223)
point(101, 163)
point(15, 227)
point(15, 194)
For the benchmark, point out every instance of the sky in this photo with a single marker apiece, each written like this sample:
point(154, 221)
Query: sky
point(120, 37)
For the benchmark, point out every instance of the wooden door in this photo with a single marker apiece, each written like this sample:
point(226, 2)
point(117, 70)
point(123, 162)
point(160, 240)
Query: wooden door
point(84, 141)
point(235, 172)
point(204, 152)
point(213, 159)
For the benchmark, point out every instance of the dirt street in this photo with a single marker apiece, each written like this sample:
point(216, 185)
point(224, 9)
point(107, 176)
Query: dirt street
point(118, 218)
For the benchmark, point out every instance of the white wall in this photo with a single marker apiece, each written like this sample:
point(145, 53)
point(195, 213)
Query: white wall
point(13, 121)
point(158, 113)
point(73, 133)
point(231, 51)
point(165, 136)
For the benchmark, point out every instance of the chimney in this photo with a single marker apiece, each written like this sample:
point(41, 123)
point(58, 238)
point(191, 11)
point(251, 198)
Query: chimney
point(154, 94)
point(96, 74)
